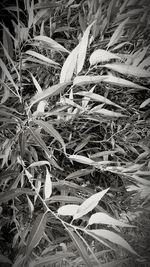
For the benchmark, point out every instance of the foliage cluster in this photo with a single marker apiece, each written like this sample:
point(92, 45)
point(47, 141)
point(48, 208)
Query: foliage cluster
point(75, 133)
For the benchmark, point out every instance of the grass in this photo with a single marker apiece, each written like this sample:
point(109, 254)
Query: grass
point(75, 134)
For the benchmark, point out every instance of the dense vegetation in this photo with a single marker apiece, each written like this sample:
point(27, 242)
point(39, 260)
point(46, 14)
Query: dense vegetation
point(75, 133)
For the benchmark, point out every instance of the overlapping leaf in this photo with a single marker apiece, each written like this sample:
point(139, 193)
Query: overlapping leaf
point(51, 130)
point(128, 70)
point(117, 33)
point(69, 66)
point(101, 55)
point(103, 218)
point(41, 57)
point(83, 48)
point(47, 185)
point(68, 210)
point(89, 204)
point(36, 233)
point(114, 238)
point(49, 92)
point(52, 43)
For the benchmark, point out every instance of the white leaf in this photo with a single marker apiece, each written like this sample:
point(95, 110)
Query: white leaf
point(104, 218)
point(101, 55)
point(52, 43)
point(68, 210)
point(128, 69)
point(123, 82)
point(114, 238)
point(81, 159)
point(117, 34)
point(145, 103)
point(41, 57)
point(89, 204)
point(98, 98)
point(107, 113)
point(31, 206)
point(87, 79)
point(37, 85)
point(83, 48)
point(69, 66)
point(49, 92)
point(47, 185)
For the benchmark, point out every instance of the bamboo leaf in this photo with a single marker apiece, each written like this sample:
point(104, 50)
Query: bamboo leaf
point(89, 204)
point(79, 173)
point(47, 185)
point(69, 66)
point(51, 130)
point(38, 184)
point(80, 247)
point(98, 98)
point(117, 33)
point(114, 238)
point(68, 210)
point(81, 159)
point(49, 92)
point(31, 206)
point(123, 82)
point(11, 194)
point(83, 48)
point(41, 57)
point(37, 85)
point(7, 73)
point(52, 43)
point(38, 163)
point(103, 218)
point(145, 103)
point(42, 144)
point(128, 70)
point(88, 79)
point(106, 112)
point(30, 14)
point(36, 233)
point(101, 55)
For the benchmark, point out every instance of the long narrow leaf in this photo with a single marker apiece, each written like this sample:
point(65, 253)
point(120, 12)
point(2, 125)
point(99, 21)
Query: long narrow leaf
point(114, 238)
point(83, 48)
point(51, 130)
point(52, 43)
point(89, 204)
point(69, 66)
point(49, 92)
point(128, 70)
point(36, 233)
point(41, 57)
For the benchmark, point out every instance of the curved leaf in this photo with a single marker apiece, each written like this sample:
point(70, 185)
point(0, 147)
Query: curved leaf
point(51, 130)
point(117, 33)
point(68, 210)
point(81, 159)
point(41, 57)
point(103, 218)
point(114, 238)
point(49, 92)
point(128, 69)
point(36, 233)
point(52, 43)
point(89, 204)
point(47, 185)
point(101, 55)
point(83, 48)
point(69, 66)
